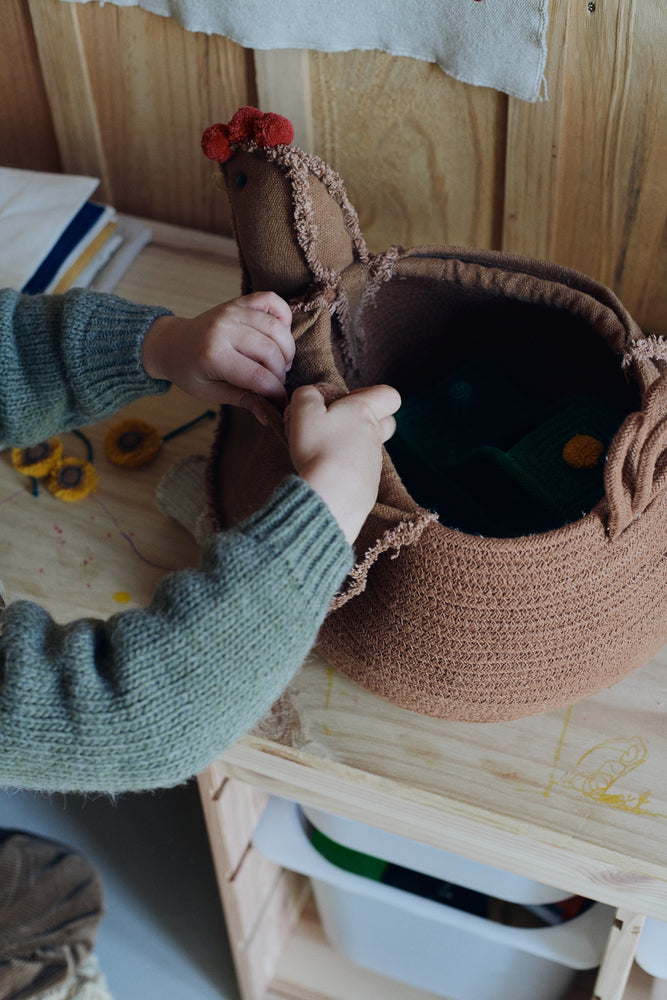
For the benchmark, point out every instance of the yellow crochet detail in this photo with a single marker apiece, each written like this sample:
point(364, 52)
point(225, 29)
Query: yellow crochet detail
point(38, 460)
point(583, 451)
point(72, 479)
point(132, 443)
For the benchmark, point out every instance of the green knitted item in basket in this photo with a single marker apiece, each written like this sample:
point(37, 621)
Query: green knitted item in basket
point(494, 460)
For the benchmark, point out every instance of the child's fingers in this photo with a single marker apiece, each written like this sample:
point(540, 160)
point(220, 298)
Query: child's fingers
point(246, 374)
point(382, 399)
point(263, 351)
point(268, 302)
point(387, 428)
point(308, 398)
point(270, 315)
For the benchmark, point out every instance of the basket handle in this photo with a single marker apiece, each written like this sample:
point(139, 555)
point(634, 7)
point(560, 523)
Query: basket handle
point(636, 466)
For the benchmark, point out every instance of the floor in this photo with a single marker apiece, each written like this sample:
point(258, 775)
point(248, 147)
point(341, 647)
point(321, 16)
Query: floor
point(163, 935)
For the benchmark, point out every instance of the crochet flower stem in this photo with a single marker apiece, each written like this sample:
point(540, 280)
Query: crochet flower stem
point(206, 415)
point(89, 447)
point(134, 443)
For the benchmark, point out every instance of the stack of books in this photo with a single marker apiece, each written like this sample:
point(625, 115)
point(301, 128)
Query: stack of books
point(54, 236)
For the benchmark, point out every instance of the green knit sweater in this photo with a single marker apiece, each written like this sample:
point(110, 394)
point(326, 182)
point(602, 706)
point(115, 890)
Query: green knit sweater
point(149, 697)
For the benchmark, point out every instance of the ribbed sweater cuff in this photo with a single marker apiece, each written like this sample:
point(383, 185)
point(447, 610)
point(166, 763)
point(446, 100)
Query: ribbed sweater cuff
point(298, 524)
point(105, 336)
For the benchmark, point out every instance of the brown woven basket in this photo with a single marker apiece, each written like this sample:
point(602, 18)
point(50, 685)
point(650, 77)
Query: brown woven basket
point(443, 622)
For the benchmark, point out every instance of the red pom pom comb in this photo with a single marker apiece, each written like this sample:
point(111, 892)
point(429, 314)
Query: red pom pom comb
point(247, 123)
point(242, 124)
point(215, 143)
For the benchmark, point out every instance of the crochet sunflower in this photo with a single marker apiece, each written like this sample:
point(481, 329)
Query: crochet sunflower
point(38, 460)
point(72, 479)
point(132, 443)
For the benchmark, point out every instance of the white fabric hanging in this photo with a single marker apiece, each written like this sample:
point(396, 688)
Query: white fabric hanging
point(488, 43)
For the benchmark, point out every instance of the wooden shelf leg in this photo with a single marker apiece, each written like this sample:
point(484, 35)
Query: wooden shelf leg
point(619, 956)
point(261, 901)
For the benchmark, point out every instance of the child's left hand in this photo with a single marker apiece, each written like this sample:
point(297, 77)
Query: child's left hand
point(224, 355)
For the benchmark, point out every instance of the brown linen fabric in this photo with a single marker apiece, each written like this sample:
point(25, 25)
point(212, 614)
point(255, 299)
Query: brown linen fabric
point(442, 622)
point(50, 907)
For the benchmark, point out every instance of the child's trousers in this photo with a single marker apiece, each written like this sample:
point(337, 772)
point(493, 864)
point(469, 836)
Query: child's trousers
point(50, 907)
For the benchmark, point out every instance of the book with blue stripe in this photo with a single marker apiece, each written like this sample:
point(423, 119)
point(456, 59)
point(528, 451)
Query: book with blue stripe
point(75, 235)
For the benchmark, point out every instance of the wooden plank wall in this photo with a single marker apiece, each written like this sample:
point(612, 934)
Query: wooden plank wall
point(580, 178)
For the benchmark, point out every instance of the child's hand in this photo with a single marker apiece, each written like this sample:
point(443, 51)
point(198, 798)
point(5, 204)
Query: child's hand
point(338, 449)
point(224, 354)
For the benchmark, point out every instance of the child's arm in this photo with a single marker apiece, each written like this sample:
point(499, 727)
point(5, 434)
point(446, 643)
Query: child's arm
point(69, 360)
point(149, 697)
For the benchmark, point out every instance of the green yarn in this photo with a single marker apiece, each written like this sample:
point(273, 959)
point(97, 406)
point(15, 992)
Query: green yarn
point(488, 455)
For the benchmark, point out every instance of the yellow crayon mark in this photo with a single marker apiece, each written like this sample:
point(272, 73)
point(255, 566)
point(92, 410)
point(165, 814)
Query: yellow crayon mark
point(333, 732)
point(330, 675)
point(121, 596)
point(619, 757)
point(559, 749)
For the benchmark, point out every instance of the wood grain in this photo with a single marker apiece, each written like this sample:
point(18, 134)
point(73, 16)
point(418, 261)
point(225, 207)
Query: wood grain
point(70, 93)
point(421, 154)
point(575, 798)
point(619, 955)
point(138, 92)
point(534, 152)
point(578, 179)
point(585, 173)
point(27, 136)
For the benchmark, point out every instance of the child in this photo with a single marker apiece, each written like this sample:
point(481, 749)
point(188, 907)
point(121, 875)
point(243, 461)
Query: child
point(151, 696)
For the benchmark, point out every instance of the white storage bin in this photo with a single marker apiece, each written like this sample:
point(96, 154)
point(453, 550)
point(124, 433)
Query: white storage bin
point(432, 861)
point(651, 952)
point(428, 944)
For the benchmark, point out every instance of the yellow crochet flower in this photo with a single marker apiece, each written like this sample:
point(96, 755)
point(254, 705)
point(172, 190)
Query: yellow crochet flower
point(583, 452)
point(72, 479)
point(38, 460)
point(132, 443)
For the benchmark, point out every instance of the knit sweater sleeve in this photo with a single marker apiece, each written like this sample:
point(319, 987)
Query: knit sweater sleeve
point(149, 697)
point(68, 360)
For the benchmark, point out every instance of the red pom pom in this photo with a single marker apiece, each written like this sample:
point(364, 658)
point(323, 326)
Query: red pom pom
point(215, 143)
point(242, 124)
point(272, 130)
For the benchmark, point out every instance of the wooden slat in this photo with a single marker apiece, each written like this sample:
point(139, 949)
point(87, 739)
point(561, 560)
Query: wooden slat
point(27, 137)
point(255, 883)
point(421, 154)
point(262, 903)
point(283, 85)
point(614, 227)
point(70, 93)
point(157, 87)
point(619, 956)
point(585, 173)
point(534, 153)
point(130, 108)
point(239, 807)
